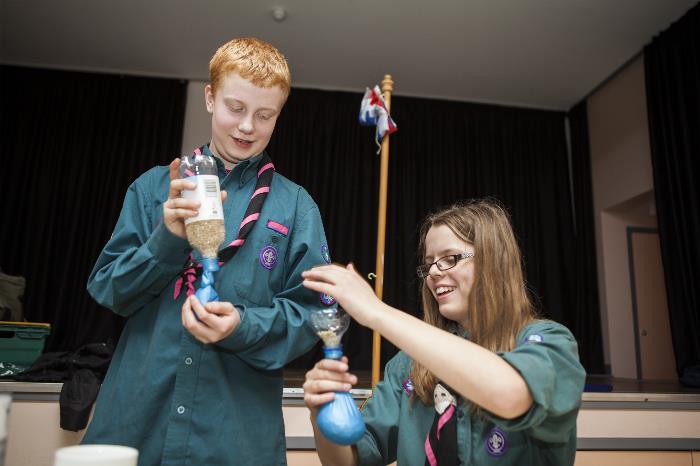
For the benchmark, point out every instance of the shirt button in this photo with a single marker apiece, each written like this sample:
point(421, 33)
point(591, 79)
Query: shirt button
point(180, 409)
point(188, 361)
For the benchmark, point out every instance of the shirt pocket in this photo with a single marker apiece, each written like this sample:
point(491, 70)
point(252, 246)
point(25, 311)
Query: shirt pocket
point(260, 268)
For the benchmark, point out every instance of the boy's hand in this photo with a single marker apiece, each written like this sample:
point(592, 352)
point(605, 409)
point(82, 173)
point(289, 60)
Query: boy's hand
point(217, 320)
point(176, 209)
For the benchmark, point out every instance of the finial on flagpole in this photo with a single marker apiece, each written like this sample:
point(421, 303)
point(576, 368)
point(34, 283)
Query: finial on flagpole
point(387, 84)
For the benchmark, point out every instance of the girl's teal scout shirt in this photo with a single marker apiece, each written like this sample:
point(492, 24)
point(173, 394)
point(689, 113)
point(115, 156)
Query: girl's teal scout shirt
point(546, 356)
point(176, 400)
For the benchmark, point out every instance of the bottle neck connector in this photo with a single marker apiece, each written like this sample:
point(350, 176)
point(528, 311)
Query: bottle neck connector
point(335, 352)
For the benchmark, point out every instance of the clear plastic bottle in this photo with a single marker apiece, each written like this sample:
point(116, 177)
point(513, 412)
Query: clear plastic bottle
point(338, 420)
point(206, 231)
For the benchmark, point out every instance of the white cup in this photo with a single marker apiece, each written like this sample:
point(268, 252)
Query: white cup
point(96, 455)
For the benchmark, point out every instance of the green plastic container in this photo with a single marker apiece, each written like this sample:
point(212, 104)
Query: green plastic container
point(21, 343)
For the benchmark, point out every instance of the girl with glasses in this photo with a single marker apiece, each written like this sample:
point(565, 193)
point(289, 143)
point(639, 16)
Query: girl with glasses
point(479, 380)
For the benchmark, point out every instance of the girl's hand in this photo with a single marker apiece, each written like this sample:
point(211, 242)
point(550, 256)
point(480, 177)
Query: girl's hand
point(327, 377)
point(217, 320)
point(351, 291)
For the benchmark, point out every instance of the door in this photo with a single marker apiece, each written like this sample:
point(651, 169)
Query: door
point(655, 358)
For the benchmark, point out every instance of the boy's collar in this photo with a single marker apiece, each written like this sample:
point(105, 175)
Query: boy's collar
point(245, 170)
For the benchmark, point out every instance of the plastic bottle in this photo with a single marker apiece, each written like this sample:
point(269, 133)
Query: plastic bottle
point(338, 420)
point(206, 231)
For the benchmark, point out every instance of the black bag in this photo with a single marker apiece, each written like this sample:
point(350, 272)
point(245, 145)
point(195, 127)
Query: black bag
point(81, 372)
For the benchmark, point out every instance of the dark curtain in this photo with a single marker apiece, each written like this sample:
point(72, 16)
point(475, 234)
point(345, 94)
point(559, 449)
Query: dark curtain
point(586, 304)
point(672, 73)
point(96, 133)
point(71, 145)
point(443, 152)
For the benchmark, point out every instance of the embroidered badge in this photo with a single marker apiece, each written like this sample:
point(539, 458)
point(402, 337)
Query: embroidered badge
point(326, 299)
point(325, 253)
point(278, 227)
point(268, 257)
point(408, 387)
point(534, 338)
point(496, 442)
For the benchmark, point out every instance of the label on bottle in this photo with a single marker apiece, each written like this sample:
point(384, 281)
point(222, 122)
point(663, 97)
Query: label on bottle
point(208, 194)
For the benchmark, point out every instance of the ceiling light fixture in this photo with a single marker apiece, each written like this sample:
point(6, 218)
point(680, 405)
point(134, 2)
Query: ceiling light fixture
point(279, 13)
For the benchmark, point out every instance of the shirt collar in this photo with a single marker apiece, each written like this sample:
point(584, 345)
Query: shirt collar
point(455, 329)
point(243, 171)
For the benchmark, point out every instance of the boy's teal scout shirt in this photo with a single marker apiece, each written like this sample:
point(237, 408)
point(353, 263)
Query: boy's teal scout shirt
point(176, 400)
point(546, 356)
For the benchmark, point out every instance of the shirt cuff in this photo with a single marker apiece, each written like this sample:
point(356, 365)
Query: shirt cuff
point(238, 339)
point(367, 453)
point(537, 412)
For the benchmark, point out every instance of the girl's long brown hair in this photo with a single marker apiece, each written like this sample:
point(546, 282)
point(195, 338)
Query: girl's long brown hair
point(499, 306)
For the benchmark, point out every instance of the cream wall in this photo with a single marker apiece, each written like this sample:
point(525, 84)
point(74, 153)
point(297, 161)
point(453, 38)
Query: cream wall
point(197, 129)
point(622, 196)
point(619, 137)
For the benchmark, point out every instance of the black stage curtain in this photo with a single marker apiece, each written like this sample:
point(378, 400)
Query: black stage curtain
point(672, 71)
point(586, 310)
point(96, 133)
point(71, 145)
point(445, 152)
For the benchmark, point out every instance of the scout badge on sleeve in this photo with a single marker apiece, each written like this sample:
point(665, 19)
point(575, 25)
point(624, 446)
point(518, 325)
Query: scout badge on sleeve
point(441, 442)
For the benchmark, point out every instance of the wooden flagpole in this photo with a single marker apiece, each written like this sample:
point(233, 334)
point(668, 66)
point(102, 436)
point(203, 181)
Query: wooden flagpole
point(387, 89)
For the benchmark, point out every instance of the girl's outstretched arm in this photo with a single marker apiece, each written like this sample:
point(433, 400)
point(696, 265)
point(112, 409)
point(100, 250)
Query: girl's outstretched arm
point(478, 374)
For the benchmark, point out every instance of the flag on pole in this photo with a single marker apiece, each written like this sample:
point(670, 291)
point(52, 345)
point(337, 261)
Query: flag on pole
point(373, 112)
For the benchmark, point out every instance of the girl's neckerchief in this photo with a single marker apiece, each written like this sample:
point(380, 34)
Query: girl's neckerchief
point(192, 270)
point(441, 442)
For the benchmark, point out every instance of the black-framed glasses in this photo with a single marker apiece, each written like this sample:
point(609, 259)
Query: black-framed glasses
point(444, 263)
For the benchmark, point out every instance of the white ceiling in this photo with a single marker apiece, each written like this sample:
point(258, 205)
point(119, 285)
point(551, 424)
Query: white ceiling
point(535, 53)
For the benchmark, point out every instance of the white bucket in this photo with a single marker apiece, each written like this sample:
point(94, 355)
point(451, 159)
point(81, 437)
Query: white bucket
point(96, 455)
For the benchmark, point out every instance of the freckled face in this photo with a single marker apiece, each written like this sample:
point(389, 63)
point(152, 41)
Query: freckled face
point(243, 117)
point(451, 287)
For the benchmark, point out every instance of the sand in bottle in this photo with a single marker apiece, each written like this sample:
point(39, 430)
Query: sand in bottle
point(206, 231)
point(330, 338)
point(206, 236)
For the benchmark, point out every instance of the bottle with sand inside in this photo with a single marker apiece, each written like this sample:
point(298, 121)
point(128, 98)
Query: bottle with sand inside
point(206, 231)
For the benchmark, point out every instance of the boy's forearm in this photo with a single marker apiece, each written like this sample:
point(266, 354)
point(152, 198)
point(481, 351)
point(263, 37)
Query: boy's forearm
point(125, 278)
point(268, 338)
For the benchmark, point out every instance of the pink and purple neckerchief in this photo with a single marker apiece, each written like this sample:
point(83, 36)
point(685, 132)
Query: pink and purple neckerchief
point(191, 270)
